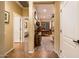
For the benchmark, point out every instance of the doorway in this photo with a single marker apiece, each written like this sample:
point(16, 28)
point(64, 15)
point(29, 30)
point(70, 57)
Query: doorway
point(44, 14)
point(17, 28)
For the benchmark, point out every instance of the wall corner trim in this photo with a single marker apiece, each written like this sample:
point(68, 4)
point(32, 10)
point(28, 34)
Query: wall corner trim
point(8, 51)
point(2, 56)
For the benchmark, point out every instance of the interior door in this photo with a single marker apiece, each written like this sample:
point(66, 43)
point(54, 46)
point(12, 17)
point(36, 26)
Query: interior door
point(70, 31)
point(16, 28)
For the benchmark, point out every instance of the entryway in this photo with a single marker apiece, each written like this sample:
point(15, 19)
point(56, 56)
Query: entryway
point(44, 13)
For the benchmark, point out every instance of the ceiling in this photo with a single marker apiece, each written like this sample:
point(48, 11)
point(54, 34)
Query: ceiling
point(24, 3)
point(44, 11)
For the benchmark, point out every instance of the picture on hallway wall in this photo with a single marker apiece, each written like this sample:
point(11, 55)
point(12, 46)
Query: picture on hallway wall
point(7, 17)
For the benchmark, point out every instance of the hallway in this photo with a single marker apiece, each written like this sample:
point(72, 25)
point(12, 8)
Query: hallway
point(39, 29)
point(44, 51)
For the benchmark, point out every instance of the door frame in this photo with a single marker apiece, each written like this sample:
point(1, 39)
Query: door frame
point(57, 28)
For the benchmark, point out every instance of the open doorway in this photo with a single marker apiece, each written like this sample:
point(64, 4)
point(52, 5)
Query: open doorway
point(17, 29)
point(44, 14)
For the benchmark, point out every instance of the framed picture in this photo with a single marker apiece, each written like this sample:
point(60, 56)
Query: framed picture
point(7, 17)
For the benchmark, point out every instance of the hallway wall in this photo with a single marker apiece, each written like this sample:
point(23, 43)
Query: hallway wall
point(57, 28)
point(11, 7)
point(25, 12)
point(2, 7)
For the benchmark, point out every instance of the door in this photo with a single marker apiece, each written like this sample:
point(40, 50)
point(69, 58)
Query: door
point(16, 28)
point(70, 30)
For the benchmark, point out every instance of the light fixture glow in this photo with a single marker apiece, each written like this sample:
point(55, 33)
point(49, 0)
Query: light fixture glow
point(44, 10)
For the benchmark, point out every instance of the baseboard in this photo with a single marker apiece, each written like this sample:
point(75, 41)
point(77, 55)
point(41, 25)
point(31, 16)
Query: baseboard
point(2, 56)
point(31, 51)
point(8, 52)
point(56, 52)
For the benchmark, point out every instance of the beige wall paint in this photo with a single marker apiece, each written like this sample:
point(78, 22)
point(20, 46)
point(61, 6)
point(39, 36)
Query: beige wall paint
point(11, 7)
point(6, 42)
point(25, 12)
point(57, 28)
point(2, 7)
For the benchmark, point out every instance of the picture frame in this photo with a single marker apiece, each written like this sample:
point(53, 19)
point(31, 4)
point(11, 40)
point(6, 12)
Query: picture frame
point(7, 16)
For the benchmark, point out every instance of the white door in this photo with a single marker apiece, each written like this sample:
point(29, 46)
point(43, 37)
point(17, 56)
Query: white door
point(69, 21)
point(16, 28)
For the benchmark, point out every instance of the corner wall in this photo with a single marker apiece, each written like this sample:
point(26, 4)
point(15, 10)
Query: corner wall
point(57, 28)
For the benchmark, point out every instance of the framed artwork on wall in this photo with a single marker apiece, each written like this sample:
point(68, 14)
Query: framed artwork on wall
point(7, 16)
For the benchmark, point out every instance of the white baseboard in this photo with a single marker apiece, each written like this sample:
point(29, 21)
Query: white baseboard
point(56, 52)
point(31, 51)
point(2, 56)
